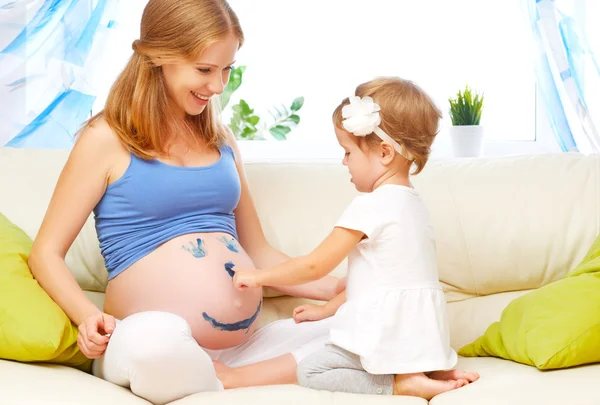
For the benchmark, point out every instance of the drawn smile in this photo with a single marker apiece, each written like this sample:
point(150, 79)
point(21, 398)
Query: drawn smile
point(231, 327)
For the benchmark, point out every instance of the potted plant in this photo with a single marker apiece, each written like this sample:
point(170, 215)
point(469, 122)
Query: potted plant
point(465, 132)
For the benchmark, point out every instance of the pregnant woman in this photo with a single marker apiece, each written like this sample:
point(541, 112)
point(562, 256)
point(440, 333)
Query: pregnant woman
point(174, 218)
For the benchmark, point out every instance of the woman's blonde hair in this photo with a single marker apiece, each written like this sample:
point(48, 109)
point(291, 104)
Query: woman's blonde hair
point(172, 31)
point(408, 115)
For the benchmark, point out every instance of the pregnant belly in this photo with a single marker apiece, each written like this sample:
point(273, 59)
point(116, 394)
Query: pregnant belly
point(191, 276)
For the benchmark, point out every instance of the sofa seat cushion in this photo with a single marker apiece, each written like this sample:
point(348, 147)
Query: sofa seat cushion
point(292, 395)
point(505, 382)
point(27, 384)
point(51, 384)
point(502, 382)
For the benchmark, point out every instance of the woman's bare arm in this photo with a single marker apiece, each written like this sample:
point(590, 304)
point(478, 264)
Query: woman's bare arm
point(80, 186)
point(253, 240)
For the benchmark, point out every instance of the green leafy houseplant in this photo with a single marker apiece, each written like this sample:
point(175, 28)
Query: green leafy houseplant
point(466, 133)
point(245, 124)
point(466, 107)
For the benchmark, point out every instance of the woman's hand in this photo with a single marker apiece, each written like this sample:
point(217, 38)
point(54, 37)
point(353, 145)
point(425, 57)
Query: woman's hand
point(244, 279)
point(310, 312)
point(94, 334)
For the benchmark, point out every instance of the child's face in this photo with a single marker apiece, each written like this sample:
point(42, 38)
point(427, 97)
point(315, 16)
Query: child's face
point(364, 165)
point(206, 77)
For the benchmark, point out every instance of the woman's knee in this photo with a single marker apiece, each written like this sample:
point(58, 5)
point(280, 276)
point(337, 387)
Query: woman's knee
point(153, 336)
point(158, 356)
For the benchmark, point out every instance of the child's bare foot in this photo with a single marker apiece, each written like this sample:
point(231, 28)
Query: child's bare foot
point(224, 374)
point(453, 375)
point(419, 385)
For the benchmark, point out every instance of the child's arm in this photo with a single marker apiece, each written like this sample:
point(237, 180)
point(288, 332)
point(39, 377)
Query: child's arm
point(302, 269)
point(332, 306)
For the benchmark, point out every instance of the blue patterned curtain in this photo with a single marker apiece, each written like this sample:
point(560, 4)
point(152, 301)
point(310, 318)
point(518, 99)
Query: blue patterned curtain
point(567, 71)
point(50, 68)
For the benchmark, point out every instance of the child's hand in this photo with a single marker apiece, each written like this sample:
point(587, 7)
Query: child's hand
point(244, 279)
point(309, 312)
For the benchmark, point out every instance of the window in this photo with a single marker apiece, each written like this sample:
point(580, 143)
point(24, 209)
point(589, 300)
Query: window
point(322, 49)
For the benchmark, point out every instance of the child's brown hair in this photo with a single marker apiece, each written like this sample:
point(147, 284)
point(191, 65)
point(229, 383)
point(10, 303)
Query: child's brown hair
point(408, 115)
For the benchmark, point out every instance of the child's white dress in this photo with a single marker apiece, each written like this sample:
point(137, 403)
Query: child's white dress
point(395, 314)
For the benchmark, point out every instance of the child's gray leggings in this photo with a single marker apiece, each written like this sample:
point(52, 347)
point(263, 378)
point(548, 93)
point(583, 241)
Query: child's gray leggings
point(335, 369)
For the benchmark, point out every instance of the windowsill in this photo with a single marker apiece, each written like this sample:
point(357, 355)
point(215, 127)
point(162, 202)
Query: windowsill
point(291, 151)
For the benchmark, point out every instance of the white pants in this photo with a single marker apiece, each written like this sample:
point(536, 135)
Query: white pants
point(155, 355)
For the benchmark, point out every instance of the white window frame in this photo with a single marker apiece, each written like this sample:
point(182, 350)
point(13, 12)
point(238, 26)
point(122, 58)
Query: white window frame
point(290, 151)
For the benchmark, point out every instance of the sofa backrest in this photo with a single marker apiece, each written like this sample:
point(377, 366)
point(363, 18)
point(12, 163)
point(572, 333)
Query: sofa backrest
point(511, 223)
point(502, 224)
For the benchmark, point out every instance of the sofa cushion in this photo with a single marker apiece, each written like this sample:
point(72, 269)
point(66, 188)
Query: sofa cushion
point(502, 224)
point(51, 384)
point(470, 318)
point(292, 395)
point(505, 382)
point(556, 326)
point(32, 325)
point(29, 177)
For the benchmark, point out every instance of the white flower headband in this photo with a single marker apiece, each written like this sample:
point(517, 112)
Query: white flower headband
point(362, 118)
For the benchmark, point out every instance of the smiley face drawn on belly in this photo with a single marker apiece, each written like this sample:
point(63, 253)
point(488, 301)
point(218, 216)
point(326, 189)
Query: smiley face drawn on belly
point(232, 327)
point(196, 251)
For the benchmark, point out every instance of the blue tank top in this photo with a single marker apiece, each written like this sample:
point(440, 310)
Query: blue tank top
point(154, 202)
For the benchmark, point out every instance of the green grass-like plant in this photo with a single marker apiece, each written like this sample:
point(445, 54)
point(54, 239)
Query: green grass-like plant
point(466, 107)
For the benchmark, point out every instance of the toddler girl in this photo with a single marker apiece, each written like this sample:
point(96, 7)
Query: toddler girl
point(389, 333)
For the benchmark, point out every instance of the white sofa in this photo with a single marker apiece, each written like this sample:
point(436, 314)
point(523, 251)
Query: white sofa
point(504, 226)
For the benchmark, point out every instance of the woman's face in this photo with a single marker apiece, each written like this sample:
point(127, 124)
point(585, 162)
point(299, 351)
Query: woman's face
point(191, 85)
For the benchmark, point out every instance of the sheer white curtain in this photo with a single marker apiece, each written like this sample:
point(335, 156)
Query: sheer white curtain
point(54, 56)
point(567, 71)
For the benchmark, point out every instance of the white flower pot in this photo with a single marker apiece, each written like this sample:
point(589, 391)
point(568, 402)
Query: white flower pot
point(467, 140)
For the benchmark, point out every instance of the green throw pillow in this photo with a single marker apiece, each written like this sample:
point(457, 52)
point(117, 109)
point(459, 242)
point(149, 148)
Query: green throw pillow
point(556, 326)
point(33, 328)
